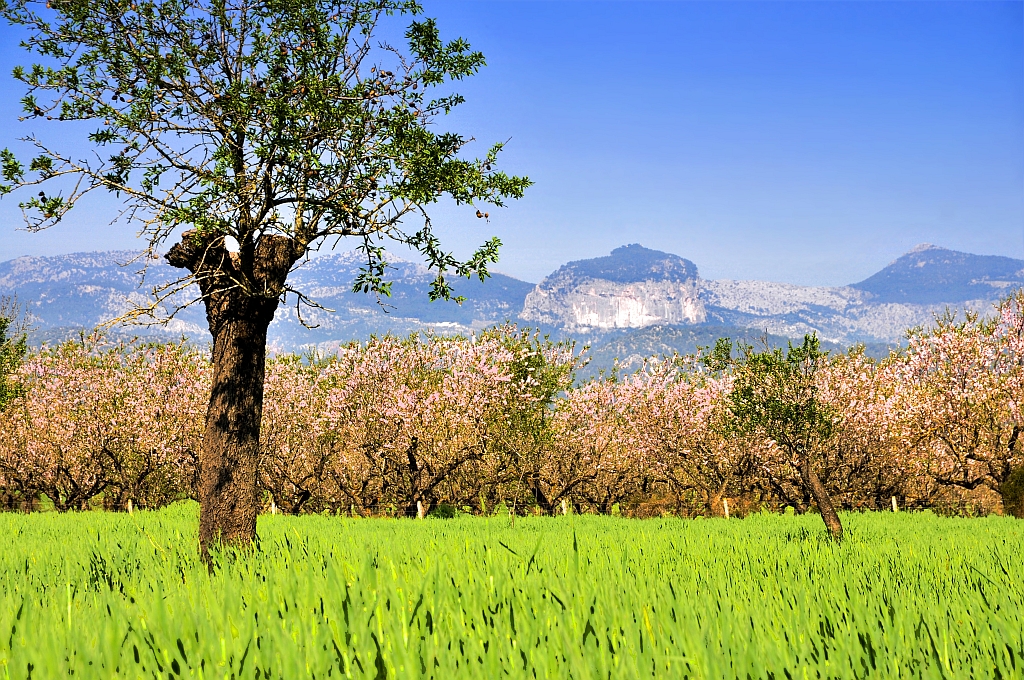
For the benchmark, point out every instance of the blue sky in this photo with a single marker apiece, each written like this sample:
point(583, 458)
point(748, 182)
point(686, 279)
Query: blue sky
point(807, 142)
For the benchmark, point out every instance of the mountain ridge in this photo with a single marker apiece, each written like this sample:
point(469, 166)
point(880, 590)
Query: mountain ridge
point(607, 301)
point(952, 276)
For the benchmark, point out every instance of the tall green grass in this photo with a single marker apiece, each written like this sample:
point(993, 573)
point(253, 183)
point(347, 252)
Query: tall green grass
point(904, 596)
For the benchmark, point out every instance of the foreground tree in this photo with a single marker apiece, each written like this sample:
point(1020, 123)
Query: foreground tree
point(775, 396)
point(264, 129)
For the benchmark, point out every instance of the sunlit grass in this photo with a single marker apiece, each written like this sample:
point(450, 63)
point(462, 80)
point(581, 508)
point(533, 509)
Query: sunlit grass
point(905, 595)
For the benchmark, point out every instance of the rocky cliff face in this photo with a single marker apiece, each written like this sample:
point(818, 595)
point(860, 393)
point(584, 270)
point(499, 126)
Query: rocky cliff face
point(636, 287)
point(633, 287)
point(596, 304)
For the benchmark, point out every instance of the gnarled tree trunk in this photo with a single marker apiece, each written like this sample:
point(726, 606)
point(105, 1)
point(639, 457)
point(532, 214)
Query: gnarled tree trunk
point(241, 294)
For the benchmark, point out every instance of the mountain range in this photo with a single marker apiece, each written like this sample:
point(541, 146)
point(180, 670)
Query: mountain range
point(632, 303)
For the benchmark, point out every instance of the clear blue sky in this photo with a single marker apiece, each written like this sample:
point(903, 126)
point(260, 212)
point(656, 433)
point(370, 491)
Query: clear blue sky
point(807, 142)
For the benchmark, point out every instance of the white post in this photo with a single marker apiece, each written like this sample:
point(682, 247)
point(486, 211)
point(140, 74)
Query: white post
point(565, 507)
point(419, 509)
point(273, 507)
point(895, 508)
point(129, 506)
point(725, 504)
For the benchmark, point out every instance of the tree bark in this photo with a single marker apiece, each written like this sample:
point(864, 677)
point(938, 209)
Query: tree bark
point(241, 296)
point(229, 459)
point(821, 498)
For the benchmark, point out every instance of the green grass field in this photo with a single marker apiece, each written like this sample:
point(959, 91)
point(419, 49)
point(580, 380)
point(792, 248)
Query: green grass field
point(99, 595)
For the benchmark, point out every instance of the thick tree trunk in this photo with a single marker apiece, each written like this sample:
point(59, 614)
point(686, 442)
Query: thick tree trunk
point(241, 294)
point(229, 461)
point(821, 497)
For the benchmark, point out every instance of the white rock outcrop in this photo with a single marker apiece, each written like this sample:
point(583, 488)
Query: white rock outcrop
point(605, 305)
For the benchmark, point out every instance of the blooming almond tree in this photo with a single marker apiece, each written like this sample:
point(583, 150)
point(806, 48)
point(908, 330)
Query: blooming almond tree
point(965, 380)
point(660, 428)
point(681, 418)
point(1011, 333)
point(871, 459)
point(255, 131)
point(121, 421)
point(400, 425)
point(296, 449)
point(592, 457)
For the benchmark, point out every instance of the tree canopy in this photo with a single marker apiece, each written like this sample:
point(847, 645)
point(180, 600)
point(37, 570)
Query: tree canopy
point(775, 393)
point(252, 119)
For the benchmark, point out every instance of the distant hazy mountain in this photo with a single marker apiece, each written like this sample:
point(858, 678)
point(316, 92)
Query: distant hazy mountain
point(636, 287)
point(328, 280)
point(630, 304)
point(841, 314)
point(67, 293)
point(930, 275)
point(627, 264)
point(910, 291)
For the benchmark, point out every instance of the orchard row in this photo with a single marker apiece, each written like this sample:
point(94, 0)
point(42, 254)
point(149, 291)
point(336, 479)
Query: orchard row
point(403, 426)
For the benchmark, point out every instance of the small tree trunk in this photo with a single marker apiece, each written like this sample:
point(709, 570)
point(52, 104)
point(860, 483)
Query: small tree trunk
point(1011, 488)
point(540, 496)
point(821, 497)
